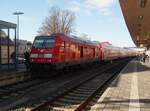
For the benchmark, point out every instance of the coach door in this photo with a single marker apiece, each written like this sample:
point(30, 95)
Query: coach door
point(81, 51)
point(67, 52)
point(93, 52)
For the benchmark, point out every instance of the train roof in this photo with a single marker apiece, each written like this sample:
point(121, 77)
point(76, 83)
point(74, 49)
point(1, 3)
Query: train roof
point(70, 38)
point(106, 43)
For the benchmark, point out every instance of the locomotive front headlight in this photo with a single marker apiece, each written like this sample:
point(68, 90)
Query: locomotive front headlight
point(34, 55)
point(47, 55)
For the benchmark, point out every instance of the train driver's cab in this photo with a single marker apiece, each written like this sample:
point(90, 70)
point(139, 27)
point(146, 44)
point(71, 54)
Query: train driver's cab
point(42, 49)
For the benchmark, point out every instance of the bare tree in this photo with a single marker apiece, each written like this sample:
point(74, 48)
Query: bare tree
point(58, 21)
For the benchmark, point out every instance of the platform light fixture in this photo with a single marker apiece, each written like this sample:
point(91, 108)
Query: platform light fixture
point(143, 3)
point(17, 14)
point(140, 17)
point(138, 38)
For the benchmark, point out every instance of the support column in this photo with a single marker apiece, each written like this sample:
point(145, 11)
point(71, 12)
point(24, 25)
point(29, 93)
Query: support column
point(15, 51)
point(0, 49)
point(8, 51)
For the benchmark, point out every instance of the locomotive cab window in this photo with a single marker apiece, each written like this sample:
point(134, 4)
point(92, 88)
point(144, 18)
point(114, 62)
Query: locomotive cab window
point(44, 42)
point(49, 43)
point(38, 43)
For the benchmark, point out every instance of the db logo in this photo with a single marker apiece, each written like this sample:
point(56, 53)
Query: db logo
point(41, 50)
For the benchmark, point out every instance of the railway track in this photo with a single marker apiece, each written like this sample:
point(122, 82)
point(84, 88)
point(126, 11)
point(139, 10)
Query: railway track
point(77, 97)
point(17, 88)
point(16, 94)
point(72, 95)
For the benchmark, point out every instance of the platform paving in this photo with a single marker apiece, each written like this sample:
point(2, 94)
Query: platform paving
point(11, 76)
point(130, 91)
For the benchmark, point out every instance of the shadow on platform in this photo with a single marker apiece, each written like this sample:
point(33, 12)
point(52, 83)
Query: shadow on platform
point(5, 69)
point(129, 70)
point(140, 68)
point(123, 102)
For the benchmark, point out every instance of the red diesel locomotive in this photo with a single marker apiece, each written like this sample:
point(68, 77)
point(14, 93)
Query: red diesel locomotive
point(58, 51)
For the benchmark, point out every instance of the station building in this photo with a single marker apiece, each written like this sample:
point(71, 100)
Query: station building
point(7, 45)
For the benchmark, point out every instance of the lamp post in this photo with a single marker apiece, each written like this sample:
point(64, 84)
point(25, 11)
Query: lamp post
point(17, 41)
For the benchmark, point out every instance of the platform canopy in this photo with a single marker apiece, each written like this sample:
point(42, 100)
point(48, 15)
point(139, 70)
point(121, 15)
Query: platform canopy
point(4, 25)
point(7, 45)
point(137, 18)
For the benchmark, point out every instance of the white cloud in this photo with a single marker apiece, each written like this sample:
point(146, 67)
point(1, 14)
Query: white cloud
point(103, 6)
point(74, 6)
point(89, 6)
point(99, 3)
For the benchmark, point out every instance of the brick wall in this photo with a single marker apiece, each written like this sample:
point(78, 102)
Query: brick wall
point(4, 51)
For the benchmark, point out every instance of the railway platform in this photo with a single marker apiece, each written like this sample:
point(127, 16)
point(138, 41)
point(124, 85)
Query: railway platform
point(10, 76)
point(130, 91)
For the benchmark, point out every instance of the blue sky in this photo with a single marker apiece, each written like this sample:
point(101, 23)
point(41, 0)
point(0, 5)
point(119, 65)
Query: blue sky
point(102, 20)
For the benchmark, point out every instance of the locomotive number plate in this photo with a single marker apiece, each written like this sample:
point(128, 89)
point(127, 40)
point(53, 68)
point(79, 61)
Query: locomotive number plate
point(40, 55)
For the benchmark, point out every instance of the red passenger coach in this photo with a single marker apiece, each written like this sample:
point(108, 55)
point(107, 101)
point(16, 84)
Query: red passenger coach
point(110, 52)
point(58, 51)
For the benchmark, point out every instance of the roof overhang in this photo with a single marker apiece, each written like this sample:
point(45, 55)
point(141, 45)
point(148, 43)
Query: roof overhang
point(137, 17)
point(4, 25)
